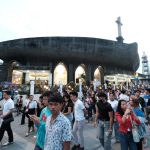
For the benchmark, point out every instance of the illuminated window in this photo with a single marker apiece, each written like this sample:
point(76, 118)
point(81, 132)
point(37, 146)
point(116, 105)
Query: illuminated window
point(17, 77)
point(79, 74)
point(60, 74)
point(97, 75)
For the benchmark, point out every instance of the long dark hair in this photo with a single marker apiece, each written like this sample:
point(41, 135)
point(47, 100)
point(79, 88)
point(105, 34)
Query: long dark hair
point(68, 97)
point(119, 109)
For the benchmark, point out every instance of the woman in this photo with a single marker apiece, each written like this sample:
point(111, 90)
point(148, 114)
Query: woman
point(68, 108)
point(141, 128)
point(130, 103)
point(31, 109)
point(124, 116)
point(88, 105)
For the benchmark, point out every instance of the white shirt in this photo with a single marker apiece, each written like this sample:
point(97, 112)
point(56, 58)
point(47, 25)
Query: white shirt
point(8, 105)
point(124, 97)
point(78, 110)
point(114, 104)
point(33, 104)
point(25, 102)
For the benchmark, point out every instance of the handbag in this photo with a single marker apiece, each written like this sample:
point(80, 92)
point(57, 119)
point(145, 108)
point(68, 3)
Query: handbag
point(136, 136)
point(8, 119)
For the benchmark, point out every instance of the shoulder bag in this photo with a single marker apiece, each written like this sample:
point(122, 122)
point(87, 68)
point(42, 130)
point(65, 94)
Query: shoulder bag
point(136, 136)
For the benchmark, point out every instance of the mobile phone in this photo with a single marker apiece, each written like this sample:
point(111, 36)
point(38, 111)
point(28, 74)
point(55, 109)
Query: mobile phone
point(30, 115)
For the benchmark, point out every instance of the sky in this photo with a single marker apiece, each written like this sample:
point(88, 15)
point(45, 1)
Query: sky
point(83, 18)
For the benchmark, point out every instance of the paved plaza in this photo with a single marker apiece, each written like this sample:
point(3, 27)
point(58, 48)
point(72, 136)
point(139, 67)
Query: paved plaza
point(27, 143)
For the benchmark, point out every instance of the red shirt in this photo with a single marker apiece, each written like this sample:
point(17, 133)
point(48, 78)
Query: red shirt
point(126, 126)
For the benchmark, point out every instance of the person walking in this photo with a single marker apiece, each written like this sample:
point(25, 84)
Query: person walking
point(25, 103)
point(141, 128)
point(78, 126)
point(40, 122)
point(114, 105)
point(67, 109)
point(125, 116)
point(31, 109)
point(58, 127)
point(19, 104)
point(104, 119)
point(7, 116)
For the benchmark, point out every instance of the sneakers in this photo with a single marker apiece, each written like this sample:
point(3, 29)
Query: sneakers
point(7, 143)
point(31, 130)
point(75, 147)
point(27, 134)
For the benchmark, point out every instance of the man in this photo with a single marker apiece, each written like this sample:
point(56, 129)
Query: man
point(7, 116)
point(124, 95)
point(79, 111)
point(40, 122)
point(58, 127)
point(104, 118)
point(114, 104)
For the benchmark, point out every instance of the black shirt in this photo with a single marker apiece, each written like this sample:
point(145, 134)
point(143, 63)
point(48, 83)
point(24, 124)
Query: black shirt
point(104, 109)
point(142, 103)
point(65, 108)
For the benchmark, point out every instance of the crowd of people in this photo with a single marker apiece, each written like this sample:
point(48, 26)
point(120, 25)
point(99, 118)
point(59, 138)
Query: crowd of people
point(59, 118)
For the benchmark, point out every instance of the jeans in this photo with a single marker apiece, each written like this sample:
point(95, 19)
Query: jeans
point(126, 141)
point(116, 130)
point(70, 118)
point(104, 136)
point(78, 127)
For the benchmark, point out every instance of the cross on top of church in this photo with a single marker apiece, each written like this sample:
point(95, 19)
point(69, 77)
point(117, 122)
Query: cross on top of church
point(118, 21)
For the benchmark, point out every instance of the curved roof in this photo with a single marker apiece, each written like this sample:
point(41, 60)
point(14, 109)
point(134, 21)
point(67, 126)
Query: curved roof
point(70, 49)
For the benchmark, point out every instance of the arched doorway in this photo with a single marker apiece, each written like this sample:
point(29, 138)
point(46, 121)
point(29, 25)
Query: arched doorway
point(11, 66)
point(98, 75)
point(80, 74)
point(60, 74)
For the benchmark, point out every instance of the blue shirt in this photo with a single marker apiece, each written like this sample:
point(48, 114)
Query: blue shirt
point(139, 112)
point(40, 136)
point(146, 99)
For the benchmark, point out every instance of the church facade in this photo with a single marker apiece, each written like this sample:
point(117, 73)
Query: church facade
point(52, 60)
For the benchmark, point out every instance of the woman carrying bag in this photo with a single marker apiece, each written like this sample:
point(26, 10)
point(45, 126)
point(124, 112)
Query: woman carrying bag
point(68, 108)
point(125, 116)
point(141, 128)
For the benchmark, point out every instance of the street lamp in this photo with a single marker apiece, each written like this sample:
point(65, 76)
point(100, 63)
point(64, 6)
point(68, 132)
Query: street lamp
point(1, 61)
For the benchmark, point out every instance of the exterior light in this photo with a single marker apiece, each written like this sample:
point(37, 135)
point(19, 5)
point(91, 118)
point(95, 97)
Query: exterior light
point(1, 61)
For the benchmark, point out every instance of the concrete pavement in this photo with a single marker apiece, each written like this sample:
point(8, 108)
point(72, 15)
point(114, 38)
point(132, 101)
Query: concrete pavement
point(27, 143)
